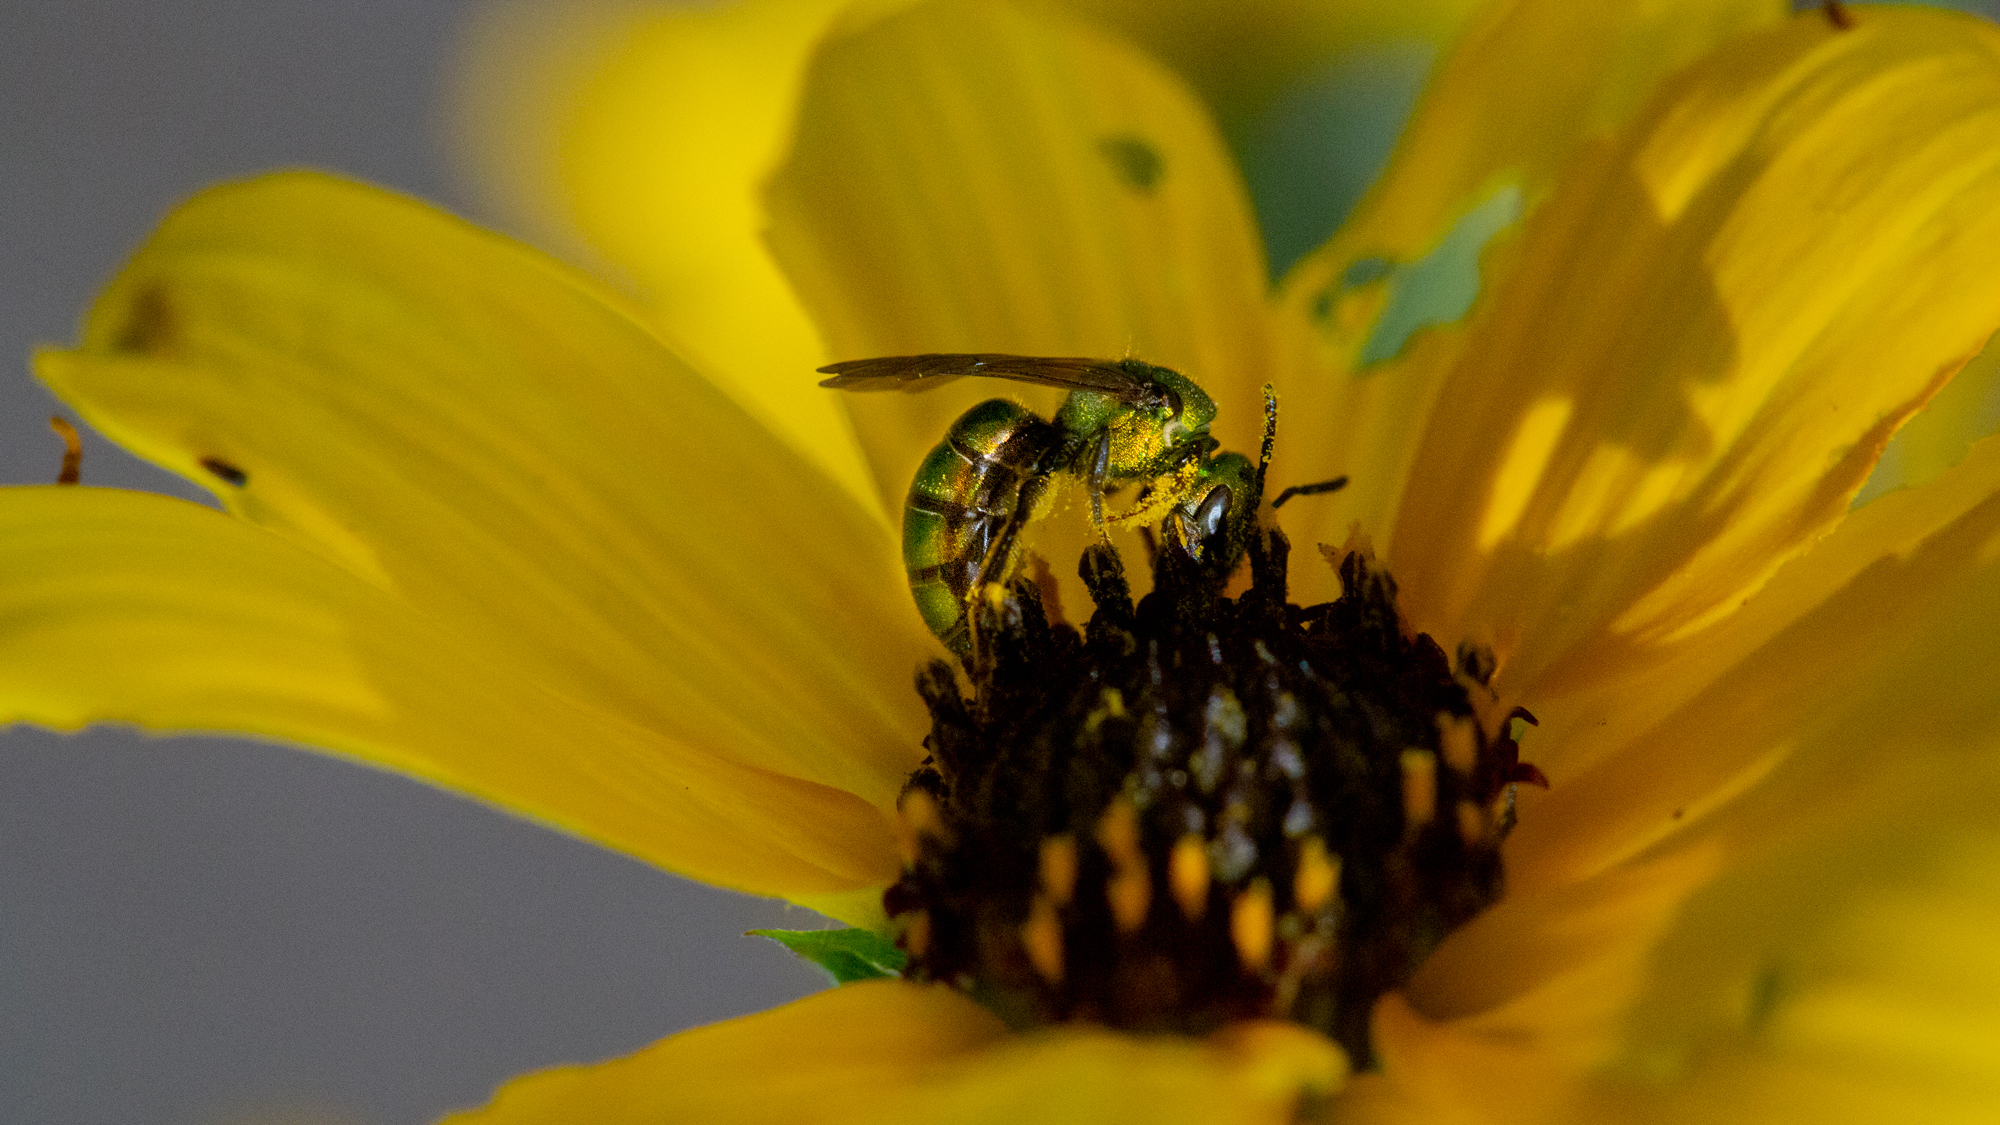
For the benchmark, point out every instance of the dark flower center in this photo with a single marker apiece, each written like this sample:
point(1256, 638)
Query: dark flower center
point(1204, 808)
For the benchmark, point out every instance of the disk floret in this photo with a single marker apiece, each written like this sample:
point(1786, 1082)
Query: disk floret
point(1202, 808)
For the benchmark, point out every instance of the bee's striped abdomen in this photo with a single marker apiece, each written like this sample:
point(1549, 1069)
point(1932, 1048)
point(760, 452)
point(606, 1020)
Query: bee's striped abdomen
point(963, 498)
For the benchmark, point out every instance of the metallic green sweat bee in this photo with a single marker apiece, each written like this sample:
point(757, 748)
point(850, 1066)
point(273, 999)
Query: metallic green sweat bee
point(1124, 422)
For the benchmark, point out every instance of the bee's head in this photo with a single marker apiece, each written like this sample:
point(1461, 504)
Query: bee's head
point(1189, 409)
point(1214, 522)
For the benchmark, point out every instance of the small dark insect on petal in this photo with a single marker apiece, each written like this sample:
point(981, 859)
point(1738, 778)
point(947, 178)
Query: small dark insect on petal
point(1837, 14)
point(225, 472)
point(72, 462)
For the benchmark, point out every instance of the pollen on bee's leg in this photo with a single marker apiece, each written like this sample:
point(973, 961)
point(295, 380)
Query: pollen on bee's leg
point(1187, 875)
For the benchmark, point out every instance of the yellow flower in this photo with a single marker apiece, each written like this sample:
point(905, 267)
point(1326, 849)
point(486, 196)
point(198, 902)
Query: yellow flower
point(485, 529)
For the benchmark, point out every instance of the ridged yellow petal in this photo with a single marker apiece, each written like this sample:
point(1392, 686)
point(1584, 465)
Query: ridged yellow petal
point(1498, 124)
point(895, 1052)
point(1589, 717)
point(1708, 334)
point(463, 423)
point(130, 607)
point(967, 178)
point(1901, 653)
point(643, 133)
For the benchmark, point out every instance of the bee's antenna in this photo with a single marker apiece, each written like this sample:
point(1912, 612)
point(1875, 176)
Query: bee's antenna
point(1270, 439)
point(1313, 489)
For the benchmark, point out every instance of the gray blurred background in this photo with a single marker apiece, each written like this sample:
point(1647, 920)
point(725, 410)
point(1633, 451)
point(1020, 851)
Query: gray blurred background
point(196, 930)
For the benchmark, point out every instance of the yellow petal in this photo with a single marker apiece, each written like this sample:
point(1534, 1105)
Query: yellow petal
point(1842, 970)
point(1902, 654)
point(131, 607)
point(1505, 1017)
point(1498, 112)
point(1939, 436)
point(1586, 718)
point(467, 425)
point(1710, 331)
point(966, 178)
point(1496, 127)
point(890, 1051)
point(644, 133)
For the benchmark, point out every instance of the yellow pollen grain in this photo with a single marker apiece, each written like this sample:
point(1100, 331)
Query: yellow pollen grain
point(917, 933)
point(1187, 875)
point(1521, 468)
point(1419, 788)
point(1317, 876)
point(1250, 926)
point(1042, 938)
point(1118, 832)
point(1472, 823)
point(1461, 741)
point(1130, 893)
point(916, 818)
point(1058, 868)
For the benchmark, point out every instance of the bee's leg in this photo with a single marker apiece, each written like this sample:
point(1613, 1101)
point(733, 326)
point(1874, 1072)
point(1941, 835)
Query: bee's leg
point(992, 568)
point(1162, 497)
point(1100, 467)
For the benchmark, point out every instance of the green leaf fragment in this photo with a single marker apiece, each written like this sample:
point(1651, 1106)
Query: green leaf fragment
point(849, 955)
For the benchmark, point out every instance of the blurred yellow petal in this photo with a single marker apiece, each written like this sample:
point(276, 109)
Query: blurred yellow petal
point(889, 1051)
point(465, 424)
point(1497, 125)
point(643, 133)
point(1711, 330)
point(1240, 55)
point(1842, 969)
point(967, 178)
point(1505, 1017)
point(131, 607)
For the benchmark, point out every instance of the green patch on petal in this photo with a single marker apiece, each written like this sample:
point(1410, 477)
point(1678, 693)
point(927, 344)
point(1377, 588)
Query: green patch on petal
point(1439, 287)
point(849, 955)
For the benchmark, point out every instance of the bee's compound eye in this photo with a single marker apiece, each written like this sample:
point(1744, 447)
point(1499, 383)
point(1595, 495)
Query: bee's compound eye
point(1213, 512)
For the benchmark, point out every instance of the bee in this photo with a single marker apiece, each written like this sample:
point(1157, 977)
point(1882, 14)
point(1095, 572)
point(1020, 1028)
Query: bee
point(1124, 422)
